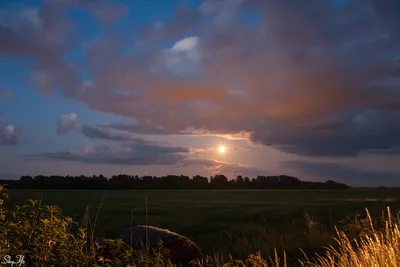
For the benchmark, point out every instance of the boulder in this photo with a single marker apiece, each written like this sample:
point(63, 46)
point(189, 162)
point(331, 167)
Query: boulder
point(182, 250)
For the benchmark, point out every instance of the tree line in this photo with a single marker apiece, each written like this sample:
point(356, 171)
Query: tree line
point(124, 181)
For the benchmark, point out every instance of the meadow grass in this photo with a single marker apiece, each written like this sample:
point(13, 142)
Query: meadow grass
point(377, 247)
point(233, 224)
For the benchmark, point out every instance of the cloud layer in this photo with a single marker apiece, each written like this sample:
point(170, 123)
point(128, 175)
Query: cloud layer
point(308, 78)
point(341, 172)
point(120, 145)
point(106, 133)
point(126, 154)
point(144, 153)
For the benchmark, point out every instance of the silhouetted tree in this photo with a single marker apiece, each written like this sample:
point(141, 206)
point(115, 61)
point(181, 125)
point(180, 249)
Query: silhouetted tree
point(124, 181)
point(219, 181)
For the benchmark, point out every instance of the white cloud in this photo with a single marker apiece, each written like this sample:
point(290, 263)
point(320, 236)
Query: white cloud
point(186, 45)
point(67, 123)
point(9, 135)
point(184, 58)
point(10, 131)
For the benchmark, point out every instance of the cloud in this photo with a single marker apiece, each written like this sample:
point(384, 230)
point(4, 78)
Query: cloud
point(308, 78)
point(225, 13)
point(160, 32)
point(145, 129)
point(135, 151)
point(350, 134)
point(9, 135)
point(106, 133)
point(341, 172)
point(123, 154)
point(5, 93)
point(31, 31)
point(392, 151)
point(226, 168)
point(183, 59)
point(108, 12)
point(160, 130)
point(67, 123)
point(46, 33)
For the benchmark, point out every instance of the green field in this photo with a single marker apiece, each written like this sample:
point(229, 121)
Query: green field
point(226, 221)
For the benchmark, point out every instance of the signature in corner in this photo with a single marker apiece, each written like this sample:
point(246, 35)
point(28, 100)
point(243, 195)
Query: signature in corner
point(18, 261)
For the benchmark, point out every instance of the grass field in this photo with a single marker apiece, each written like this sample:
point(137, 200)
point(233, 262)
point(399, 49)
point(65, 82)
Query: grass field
point(238, 222)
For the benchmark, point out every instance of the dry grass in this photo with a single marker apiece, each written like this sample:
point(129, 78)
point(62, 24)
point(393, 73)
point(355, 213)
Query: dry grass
point(374, 248)
point(379, 249)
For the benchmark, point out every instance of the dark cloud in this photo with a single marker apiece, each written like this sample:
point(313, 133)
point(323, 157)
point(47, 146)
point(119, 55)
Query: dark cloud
point(131, 154)
point(146, 129)
point(35, 32)
point(309, 78)
point(392, 151)
point(341, 172)
point(46, 33)
point(352, 134)
point(67, 123)
point(9, 135)
point(389, 10)
point(107, 133)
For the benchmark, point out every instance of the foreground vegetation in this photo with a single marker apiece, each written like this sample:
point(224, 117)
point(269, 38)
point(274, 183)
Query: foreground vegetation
point(36, 226)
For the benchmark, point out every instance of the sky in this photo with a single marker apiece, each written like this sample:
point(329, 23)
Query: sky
point(304, 88)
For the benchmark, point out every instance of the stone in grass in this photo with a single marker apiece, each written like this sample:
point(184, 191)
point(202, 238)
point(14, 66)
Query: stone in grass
point(182, 250)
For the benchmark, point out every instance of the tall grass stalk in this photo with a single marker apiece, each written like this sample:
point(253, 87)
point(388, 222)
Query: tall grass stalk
point(380, 249)
point(147, 231)
point(97, 214)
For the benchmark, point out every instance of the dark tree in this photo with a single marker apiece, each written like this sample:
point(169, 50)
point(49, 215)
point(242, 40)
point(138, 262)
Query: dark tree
point(124, 181)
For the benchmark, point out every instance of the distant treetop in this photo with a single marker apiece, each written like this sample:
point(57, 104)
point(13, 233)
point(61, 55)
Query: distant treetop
point(124, 181)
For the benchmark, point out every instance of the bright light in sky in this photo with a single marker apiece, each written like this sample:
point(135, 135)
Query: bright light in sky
point(221, 149)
